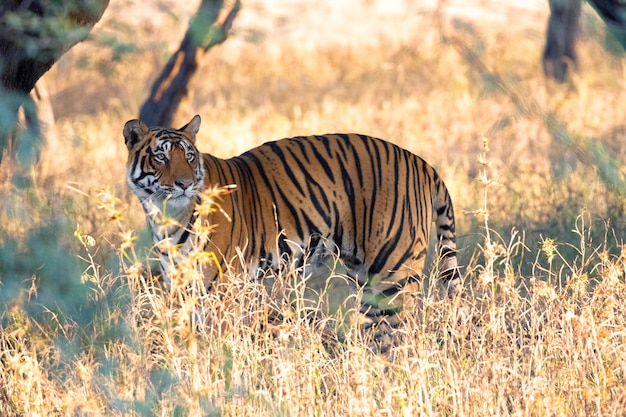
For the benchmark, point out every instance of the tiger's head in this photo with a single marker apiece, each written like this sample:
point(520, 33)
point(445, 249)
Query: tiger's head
point(164, 167)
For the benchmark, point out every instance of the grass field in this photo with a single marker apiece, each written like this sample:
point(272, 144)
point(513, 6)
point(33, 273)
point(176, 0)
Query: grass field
point(534, 170)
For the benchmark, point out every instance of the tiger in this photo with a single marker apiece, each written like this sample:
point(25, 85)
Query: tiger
point(370, 201)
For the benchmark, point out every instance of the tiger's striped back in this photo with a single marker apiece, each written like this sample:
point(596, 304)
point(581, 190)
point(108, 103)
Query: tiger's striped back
point(371, 200)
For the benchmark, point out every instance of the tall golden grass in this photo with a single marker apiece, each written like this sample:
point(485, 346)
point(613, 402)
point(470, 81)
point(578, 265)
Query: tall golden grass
point(534, 172)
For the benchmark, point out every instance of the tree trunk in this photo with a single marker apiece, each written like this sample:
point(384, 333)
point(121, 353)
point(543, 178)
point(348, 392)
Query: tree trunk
point(171, 86)
point(559, 55)
point(613, 12)
point(33, 36)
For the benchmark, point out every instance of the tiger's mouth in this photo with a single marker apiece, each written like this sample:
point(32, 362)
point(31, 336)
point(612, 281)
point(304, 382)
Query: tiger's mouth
point(180, 198)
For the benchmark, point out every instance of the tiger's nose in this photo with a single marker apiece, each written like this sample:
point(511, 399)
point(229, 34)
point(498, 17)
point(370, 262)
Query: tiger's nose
point(184, 184)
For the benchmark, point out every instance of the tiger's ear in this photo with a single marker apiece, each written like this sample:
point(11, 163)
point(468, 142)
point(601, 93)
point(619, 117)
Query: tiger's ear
point(134, 132)
point(192, 128)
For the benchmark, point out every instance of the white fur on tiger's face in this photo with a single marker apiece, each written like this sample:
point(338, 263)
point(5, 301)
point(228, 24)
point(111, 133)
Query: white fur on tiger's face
point(369, 201)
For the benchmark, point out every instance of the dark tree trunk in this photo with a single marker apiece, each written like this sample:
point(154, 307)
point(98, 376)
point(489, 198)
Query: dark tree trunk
point(171, 86)
point(33, 36)
point(613, 12)
point(31, 43)
point(559, 55)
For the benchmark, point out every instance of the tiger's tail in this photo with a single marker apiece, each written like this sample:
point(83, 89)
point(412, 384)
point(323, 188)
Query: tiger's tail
point(446, 237)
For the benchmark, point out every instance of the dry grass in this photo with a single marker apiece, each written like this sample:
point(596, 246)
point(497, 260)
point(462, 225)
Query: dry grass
point(540, 330)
